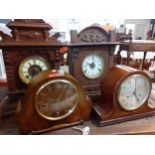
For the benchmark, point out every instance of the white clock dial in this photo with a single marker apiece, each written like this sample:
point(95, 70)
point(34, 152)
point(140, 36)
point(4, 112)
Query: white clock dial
point(133, 92)
point(32, 66)
point(93, 66)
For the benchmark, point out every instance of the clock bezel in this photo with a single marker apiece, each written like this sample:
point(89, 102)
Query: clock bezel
point(118, 90)
point(22, 77)
point(103, 65)
point(60, 117)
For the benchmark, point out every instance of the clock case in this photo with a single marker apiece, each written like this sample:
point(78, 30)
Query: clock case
point(107, 110)
point(29, 37)
point(29, 120)
point(93, 39)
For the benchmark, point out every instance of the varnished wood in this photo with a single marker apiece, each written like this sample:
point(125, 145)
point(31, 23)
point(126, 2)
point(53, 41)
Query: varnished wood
point(139, 126)
point(92, 39)
point(28, 118)
point(139, 45)
point(107, 109)
point(29, 37)
point(3, 83)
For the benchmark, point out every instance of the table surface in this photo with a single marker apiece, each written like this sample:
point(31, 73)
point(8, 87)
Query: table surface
point(140, 126)
point(138, 45)
point(140, 41)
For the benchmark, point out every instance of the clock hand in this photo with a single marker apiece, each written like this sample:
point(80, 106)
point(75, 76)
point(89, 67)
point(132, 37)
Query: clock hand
point(61, 95)
point(136, 97)
point(92, 59)
point(135, 92)
point(88, 63)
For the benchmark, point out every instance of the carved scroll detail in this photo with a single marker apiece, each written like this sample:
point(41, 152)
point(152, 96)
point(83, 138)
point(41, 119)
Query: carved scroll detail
point(30, 20)
point(93, 37)
point(30, 35)
point(4, 35)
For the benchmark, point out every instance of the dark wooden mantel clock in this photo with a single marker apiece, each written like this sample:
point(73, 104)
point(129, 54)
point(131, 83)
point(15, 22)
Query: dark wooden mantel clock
point(90, 57)
point(28, 51)
point(125, 96)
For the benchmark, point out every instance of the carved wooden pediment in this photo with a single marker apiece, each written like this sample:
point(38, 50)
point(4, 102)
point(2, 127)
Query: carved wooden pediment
point(4, 35)
point(29, 20)
point(29, 37)
point(92, 34)
point(29, 30)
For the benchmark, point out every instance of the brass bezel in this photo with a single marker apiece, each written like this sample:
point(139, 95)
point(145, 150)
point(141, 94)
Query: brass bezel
point(61, 117)
point(25, 80)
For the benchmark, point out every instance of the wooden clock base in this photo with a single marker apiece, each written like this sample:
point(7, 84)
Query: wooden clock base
point(100, 120)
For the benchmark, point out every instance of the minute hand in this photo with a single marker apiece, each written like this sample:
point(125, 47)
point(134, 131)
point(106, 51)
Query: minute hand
point(135, 92)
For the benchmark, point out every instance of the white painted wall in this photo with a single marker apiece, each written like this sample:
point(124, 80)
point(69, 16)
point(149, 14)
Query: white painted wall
point(2, 67)
point(66, 25)
point(141, 27)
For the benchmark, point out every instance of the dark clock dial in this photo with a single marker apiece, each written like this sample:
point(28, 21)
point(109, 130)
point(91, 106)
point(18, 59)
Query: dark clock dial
point(56, 99)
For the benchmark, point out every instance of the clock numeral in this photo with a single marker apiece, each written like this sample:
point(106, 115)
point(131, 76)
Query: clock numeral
point(32, 66)
point(99, 69)
point(85, 70)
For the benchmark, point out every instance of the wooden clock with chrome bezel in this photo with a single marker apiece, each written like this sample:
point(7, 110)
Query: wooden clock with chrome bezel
point(27, 51)
point(90, 57)
point(125, 95)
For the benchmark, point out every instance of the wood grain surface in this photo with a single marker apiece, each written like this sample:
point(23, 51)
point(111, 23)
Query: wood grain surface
point(140, 126)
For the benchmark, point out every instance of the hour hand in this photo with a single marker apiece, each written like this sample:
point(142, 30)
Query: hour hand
point(134, 93)
point(88, 63)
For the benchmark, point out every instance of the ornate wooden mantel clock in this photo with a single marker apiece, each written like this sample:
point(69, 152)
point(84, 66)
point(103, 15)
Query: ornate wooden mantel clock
point(90, 57)
point(28, 51)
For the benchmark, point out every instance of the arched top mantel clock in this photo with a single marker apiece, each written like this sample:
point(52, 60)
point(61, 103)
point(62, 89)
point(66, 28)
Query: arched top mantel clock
point(90, 57)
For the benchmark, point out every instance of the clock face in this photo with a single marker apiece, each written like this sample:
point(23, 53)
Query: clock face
point(56, 99)
point(31, 67)
point(93, 66)
point(133, 92)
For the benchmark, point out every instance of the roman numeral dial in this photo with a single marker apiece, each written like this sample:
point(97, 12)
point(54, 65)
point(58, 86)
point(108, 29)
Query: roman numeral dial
point(93, 66)
point(31, 67)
